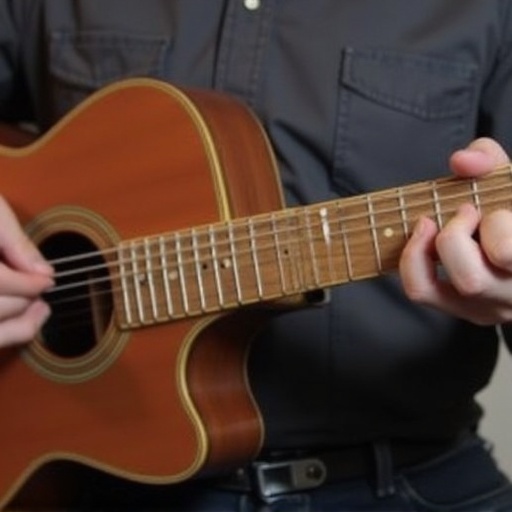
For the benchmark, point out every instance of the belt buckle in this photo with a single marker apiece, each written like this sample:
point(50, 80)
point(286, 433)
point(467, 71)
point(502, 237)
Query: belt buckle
point(274, 478)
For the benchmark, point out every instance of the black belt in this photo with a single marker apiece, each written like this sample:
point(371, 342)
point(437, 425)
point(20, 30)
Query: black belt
point(292, 472)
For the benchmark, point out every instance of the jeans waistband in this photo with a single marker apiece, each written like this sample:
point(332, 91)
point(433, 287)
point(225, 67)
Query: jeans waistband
point(294, 472)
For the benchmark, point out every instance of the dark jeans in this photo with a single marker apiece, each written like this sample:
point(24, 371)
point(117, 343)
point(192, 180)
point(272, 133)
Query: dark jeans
point(466, 479)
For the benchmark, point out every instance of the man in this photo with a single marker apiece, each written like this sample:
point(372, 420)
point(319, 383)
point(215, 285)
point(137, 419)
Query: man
point(355, 97)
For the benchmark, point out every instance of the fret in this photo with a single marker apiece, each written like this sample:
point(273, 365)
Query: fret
point(346, 248)
point(326, 231)
point(166, 276)
point(476, 196)
point(181, 272)
point(124, 286)
point(254, 254)
point(390, 225)
point(234, 257)
point(198, 271)
point(215, 260)
point(150, 277)
point(437, 206)
point(295, 251)
point(311, 247)
point(138, 279)
point(373, 229)
point(403, 212)
point(277, 245)
point(326, 234)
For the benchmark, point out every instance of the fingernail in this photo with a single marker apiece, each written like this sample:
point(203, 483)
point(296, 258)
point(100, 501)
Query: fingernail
point(42, 267)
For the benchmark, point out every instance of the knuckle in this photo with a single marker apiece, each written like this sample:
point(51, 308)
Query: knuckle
point(445, 238)
point(500, 253)
point(470, 284)
point(417, 292)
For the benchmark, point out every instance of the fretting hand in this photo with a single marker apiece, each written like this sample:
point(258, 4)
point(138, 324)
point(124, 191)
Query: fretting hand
point(478, 286)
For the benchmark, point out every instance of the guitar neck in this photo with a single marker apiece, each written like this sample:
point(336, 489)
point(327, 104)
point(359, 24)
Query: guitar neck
point(249, 260)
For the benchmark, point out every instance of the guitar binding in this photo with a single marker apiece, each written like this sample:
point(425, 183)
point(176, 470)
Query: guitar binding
point(80, 339)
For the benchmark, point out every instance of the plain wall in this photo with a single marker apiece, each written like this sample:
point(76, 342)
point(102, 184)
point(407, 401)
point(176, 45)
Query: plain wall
point(497, 402)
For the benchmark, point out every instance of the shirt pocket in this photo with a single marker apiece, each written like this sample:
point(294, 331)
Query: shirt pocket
point(81, 63)
point(399, 117)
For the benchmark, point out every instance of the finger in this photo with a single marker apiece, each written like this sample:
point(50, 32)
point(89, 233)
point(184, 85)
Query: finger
point(22, 284)
point(480, 157)
point(419, 270)
point(25, 327)
point(11, 307)
point(16, 247)
point(460, 255)
point(417, 266)
point(496, 238)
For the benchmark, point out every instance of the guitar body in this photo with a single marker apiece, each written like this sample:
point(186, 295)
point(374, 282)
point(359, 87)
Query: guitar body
point(160, 403)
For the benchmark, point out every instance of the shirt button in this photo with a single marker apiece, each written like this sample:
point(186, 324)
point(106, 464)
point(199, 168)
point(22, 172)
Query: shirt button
point(252, 5)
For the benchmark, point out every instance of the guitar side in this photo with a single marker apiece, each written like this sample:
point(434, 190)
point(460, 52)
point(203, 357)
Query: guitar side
point(161, 403)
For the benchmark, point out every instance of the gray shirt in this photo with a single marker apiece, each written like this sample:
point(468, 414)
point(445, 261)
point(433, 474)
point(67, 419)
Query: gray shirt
point(355, 96)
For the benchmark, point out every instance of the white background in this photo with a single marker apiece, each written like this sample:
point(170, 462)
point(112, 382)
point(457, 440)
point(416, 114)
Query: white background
point(497, 402)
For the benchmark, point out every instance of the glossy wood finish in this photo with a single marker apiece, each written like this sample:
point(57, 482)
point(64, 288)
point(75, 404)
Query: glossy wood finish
point(172, 400)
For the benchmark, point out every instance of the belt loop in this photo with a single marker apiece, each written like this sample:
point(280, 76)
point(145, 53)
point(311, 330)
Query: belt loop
point(385, 485)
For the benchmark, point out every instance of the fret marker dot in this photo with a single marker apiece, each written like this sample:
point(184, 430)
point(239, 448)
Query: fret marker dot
point(172, 275)
point(388, 232)
point(141, 278)
point(226, 263)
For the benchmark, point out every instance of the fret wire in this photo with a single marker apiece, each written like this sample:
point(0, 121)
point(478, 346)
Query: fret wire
point(124, 283)
point(255, 258)
point(476, 196)
point(149, 273)
point(179, 256)
point(437, 207)
point(326, 233)
point(403, 212)
point(215, 260)
point(376, 247)
point(297, 259)
point(311, 245)
point(136, 278)
point(197, 265)
point(235, 263)
point(166, 276)
point(348, 260)
point(278, 252)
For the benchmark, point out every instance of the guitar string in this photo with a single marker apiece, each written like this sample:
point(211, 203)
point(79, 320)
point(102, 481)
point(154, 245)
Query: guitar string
point(356, 201)
point(289, 213)
point(210, 295)
point(359, 200)
point(78, 285)
point(345, 231)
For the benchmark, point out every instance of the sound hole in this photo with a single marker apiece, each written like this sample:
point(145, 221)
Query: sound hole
point(81, 300)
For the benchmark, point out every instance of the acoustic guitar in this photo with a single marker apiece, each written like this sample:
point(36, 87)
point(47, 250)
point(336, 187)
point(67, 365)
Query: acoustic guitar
point(161, 211)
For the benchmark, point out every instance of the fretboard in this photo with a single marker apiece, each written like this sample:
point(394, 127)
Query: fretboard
point(226, 265)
